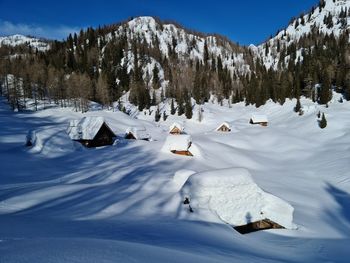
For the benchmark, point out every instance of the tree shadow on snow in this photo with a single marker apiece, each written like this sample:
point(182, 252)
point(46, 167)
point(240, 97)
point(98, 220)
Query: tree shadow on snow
point(341, 220)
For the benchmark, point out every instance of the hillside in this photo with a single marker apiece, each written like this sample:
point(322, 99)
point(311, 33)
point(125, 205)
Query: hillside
point(150, 60)
point(328, 18)
point(123, 202)
point(20, 40)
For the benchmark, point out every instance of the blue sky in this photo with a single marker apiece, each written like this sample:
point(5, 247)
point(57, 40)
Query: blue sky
point(248, 21)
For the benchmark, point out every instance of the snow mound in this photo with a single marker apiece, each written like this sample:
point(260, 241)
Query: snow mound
point(139, 133)
point(177, 143)
point(181, 176)
point(235, 198)
point(52, 143)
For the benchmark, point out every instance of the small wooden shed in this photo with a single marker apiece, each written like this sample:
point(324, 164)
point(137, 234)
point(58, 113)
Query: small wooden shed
point(137, 133)
point(259, 119)
point(179, 144)
point(176, 129)
point(91, 131)
point(224, 127)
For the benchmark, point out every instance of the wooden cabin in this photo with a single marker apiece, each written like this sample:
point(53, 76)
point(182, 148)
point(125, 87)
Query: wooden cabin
point(259, 119)
point(137, 133)
point(176, 129)
point(91, 132)
point(179, 144)
point(224, 127)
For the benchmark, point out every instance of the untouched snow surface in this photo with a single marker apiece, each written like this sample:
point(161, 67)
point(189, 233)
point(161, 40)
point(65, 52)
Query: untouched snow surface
point(123, 203)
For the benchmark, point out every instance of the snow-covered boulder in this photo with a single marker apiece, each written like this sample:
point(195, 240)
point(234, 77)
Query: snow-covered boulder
point(235, 198)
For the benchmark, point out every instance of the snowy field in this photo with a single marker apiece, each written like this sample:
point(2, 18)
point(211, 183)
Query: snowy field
point(60, 202)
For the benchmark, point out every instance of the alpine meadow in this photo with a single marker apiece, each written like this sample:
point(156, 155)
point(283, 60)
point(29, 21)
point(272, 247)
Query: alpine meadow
point(146, 141)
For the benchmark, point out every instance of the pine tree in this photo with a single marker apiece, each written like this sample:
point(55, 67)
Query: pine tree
point(180, 108)
point(157, 115)
point(188, 109)
point(172, 107)
point(323, 122)
point(325, 93)
point(155, 77)
point(297, 107)
point(165, 116)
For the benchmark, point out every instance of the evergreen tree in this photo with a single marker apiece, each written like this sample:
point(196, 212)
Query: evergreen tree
point(180, 107)
point(157, 115)
point(325, 93)
point(323, 122)
point(155, 77)
point(188, 109)
point(297, 107)
point(165, 116)
point(172, 107)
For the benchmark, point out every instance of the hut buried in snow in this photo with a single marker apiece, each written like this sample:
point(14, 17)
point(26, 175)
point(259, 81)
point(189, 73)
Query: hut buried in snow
point(259, 119)
point(91, 131)
point(176, 129)
point(233, 196)
point(179, 144)
point(224, 127)
point(137, 133)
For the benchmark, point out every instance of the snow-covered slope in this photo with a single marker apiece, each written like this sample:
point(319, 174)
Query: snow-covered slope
point(186, 45)
point(16, 40)
point(124, 202)
point(332, 18)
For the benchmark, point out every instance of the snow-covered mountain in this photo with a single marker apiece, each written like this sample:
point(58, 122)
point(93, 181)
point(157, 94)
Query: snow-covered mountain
point(17, 40)
point(186, 44)
point(170, 38)
point(331, 17)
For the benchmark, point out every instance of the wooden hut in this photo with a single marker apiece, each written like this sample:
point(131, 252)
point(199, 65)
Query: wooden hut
point(179, 144)
point(91, 132)
point(223, 127)
point(137, 133)
point(176, 129)
point(259, 119)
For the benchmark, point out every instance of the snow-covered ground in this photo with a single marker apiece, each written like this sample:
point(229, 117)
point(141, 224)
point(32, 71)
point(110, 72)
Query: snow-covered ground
point(60, 202)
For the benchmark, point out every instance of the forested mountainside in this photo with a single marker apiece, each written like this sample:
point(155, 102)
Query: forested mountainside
point(150, 60)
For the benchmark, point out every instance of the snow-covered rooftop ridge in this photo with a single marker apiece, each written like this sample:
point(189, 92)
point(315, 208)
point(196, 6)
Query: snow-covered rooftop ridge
point(258, 118)
point(223, 124)
point(177, 143)
point(86, 128)
point(176, 125)
point(140, 133)
point(235, 198)
point(16, 40)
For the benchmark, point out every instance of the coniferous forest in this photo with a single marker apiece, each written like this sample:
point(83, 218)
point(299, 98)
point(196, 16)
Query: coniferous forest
point(105, 63)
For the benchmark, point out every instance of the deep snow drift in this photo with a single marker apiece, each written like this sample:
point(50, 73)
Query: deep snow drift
point(62, 202)
point(235, 198)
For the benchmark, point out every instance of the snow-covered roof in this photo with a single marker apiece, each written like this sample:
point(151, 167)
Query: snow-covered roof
point(86, 128)
point(140, 133)
point(258, 118)
point(177, 143)
point(235, 198)
point(176, 125)
point(223, 124)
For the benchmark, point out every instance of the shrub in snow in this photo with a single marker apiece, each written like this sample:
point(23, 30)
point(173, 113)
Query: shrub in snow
point(323, 122)
point(30, 138)
point(297, 107)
